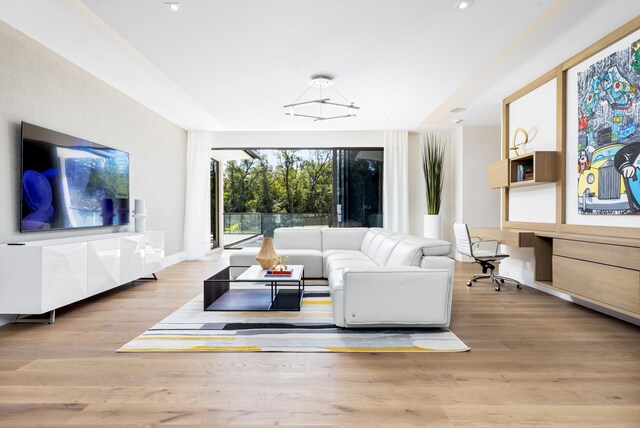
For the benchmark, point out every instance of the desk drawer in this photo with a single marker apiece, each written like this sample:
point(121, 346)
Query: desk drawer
point(614, 255)
point(611, 285)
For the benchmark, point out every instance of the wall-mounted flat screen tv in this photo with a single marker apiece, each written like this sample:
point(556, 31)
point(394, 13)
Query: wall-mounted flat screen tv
point(70, 183)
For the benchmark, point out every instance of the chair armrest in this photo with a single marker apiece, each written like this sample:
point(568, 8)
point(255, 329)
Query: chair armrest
point(478, 244)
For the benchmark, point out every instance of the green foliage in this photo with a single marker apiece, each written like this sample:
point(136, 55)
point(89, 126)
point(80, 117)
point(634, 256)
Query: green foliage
point(433, 150)
point(296, 184)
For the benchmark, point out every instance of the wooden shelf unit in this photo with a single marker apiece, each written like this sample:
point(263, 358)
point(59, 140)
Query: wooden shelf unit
point(505, 172)
point(542, 164)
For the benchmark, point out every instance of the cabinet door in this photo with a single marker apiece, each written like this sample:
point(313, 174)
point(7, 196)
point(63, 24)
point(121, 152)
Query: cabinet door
point(131, 258)
point(498, 175)
point(20, 276)
point(607, 284)
point(103, 264)
point(153, 252)
point(64, 274)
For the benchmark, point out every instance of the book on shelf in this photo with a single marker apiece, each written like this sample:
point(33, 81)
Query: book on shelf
point(525, 172)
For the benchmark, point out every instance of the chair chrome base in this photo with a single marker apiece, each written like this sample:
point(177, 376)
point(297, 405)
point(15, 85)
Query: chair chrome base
point(496, 279)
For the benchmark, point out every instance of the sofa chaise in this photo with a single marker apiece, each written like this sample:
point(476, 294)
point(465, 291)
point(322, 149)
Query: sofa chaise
point(377, 278)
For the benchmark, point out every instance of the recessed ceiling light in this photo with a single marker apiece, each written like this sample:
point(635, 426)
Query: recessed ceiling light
point(464, 5)
point(458, 110)
point(173, 7)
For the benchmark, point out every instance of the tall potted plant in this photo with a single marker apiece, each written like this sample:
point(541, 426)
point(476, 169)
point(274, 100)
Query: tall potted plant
point(433, 150)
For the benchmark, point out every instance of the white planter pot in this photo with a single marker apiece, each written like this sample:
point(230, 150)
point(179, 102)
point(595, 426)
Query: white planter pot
point(432, 226)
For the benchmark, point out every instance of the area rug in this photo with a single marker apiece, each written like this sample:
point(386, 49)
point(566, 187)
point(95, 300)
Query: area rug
point(190, 329)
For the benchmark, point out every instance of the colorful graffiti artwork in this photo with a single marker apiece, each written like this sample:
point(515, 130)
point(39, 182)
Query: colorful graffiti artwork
point(609, 134)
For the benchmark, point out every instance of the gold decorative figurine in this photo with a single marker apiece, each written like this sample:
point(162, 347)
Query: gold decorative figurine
point(279, 263)
point(515, 147)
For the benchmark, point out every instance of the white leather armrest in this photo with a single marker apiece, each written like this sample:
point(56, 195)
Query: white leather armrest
point(438, 262)
point(397, 295)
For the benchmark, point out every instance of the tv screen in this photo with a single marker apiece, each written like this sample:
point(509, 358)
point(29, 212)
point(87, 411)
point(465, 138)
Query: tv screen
point(69, 183)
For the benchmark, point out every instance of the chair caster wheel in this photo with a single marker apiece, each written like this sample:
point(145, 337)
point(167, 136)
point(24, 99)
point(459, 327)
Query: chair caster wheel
point(502, 281)
point(497, 288)
point(519, 286)
point(469, 284)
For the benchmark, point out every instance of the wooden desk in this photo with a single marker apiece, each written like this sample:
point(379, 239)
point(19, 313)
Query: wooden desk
point(597, 269)
point(510, 237)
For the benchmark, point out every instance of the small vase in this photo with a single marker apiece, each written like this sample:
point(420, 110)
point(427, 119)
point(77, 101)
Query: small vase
point(432, 226)
point(267, 254)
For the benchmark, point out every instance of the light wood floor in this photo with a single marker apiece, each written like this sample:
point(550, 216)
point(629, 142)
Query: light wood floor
point(535, 360)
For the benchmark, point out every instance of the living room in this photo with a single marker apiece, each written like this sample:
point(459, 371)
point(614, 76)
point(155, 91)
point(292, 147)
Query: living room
point(127, 309)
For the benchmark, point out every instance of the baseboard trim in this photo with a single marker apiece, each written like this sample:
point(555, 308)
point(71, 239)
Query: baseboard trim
point(174, 259)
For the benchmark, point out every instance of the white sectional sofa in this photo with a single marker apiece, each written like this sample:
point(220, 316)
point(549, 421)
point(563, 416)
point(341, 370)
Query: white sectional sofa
point(376, 278)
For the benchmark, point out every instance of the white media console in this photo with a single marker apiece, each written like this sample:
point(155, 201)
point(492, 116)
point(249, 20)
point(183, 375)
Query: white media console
point(41, 276)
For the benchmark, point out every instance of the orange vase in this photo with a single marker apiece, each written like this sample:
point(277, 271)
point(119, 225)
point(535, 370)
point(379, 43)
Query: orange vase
point(267, 254)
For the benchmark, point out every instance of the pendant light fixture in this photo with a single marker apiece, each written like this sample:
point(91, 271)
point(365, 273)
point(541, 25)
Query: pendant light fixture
point(323, 83)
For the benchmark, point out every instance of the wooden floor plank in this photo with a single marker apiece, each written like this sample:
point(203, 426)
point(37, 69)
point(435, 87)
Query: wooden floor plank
point(535, 360)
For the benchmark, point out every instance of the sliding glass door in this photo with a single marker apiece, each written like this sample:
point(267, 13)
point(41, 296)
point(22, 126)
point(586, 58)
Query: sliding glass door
point(215, 182)
point(357, 187)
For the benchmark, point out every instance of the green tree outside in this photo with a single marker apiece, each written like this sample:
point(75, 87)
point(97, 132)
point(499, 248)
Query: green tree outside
point(285, 181)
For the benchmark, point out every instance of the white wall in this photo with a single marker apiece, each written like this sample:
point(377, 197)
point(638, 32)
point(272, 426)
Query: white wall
point(535, 113)
point(480, 147)
point(40, 87)
point(474, 148)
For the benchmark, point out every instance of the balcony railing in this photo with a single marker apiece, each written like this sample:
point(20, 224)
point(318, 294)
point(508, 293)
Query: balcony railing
point(260, 223)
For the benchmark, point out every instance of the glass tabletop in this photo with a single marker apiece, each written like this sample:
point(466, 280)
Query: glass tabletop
point(256, 273)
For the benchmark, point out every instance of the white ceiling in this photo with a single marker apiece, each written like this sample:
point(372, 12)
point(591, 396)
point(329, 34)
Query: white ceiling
point(232, 65)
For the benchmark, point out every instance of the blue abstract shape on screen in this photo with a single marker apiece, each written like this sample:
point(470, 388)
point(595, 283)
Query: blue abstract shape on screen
point(38, 196)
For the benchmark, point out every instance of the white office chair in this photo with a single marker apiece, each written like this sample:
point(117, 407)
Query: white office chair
point(486, 256)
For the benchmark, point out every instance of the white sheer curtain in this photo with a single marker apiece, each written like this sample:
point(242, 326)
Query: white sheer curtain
point(396, 181)
point(197, 221)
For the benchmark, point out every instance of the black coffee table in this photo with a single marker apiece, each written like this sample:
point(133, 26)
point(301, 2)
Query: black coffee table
point(271, 293)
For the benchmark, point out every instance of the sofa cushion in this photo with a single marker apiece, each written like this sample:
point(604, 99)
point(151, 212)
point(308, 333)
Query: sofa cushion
point(243, 257)
point(285, 238)
point(337, 265)
point(332, 255)
point(343, 238)
point(366, 241)
point(311, 259)
point(406, 253)
point(385, 249)
point(375, 245)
